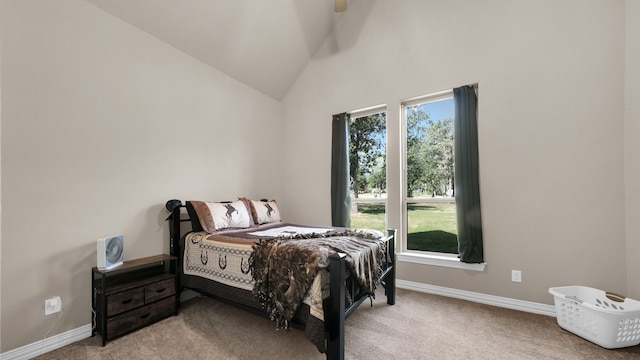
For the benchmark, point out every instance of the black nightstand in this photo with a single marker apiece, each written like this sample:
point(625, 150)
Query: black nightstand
point(133, 295)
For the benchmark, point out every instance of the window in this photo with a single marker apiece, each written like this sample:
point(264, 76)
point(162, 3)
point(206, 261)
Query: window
point(429, 203)
point(433, 176)
point(367, 168)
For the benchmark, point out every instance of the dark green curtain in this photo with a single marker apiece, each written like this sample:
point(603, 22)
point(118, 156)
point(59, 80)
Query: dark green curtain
point(340, 198)
point(467, 182)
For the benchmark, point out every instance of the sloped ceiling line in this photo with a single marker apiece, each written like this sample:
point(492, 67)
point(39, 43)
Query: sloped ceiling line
point(263, 44)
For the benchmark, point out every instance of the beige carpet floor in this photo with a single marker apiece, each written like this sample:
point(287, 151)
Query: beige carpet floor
point(419, 326)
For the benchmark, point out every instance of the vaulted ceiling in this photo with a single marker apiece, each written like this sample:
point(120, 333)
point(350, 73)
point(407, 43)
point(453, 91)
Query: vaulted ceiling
point(264, 44)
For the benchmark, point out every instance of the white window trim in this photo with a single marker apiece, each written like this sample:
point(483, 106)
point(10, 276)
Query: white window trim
point(424, 257)
point(372, 110)
point(437, 259)
point(442, 95)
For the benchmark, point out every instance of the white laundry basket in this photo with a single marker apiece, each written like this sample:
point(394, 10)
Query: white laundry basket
point(605, 319)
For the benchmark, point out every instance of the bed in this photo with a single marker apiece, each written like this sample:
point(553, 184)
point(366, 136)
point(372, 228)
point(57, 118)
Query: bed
point(300, 276)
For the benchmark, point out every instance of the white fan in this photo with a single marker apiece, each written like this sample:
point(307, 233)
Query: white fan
point(110, 252)
point(340, 5)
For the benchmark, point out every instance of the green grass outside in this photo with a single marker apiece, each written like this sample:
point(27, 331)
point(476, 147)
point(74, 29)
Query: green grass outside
point(432, 227)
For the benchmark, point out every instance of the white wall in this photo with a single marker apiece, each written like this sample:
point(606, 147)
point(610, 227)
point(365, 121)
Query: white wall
point(101, 124)
point(0, 181)
point(632, 146)
point(551, 122)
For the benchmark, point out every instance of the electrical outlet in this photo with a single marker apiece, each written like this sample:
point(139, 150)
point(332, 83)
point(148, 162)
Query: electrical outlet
point(53, 305)
point(516, 275)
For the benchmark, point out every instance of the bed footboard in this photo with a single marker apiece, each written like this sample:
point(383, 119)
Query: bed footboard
point(337, 310)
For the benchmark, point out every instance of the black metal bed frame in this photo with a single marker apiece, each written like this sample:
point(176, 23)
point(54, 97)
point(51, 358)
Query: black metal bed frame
point(336, 311)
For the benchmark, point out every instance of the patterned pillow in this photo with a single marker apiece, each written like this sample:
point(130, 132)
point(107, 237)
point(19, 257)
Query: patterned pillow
point(249, 206)
point(265, 212)
point(218, 216)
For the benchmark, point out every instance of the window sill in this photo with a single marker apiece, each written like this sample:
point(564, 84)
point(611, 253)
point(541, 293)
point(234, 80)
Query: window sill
point(438, 260)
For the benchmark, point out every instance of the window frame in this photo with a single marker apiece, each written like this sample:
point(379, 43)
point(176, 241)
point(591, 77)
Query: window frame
point(418, 256)
point(404, 106)
point(396, 131)
point(364, 112)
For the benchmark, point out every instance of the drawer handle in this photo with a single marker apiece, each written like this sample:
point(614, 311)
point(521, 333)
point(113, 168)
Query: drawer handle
point(145, 316)
point(126, 301)
point(160, 290)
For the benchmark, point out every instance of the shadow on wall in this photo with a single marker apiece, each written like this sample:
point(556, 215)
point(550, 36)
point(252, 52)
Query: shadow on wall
point(309, 25)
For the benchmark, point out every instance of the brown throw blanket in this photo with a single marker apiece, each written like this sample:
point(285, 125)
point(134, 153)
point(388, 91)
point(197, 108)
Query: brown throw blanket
point(284, 268)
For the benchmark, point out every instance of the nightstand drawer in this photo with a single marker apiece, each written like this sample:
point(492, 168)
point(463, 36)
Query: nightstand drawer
point(124, 301)
point(159, 290)
point(159, 310)
point(135, 319)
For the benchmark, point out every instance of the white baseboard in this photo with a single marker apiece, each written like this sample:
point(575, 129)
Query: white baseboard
point(83, 332)
point(49, 344)
point(514, 304)
point(57, 341)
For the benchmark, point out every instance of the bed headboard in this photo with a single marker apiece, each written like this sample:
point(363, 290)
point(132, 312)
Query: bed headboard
point(176, 217)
